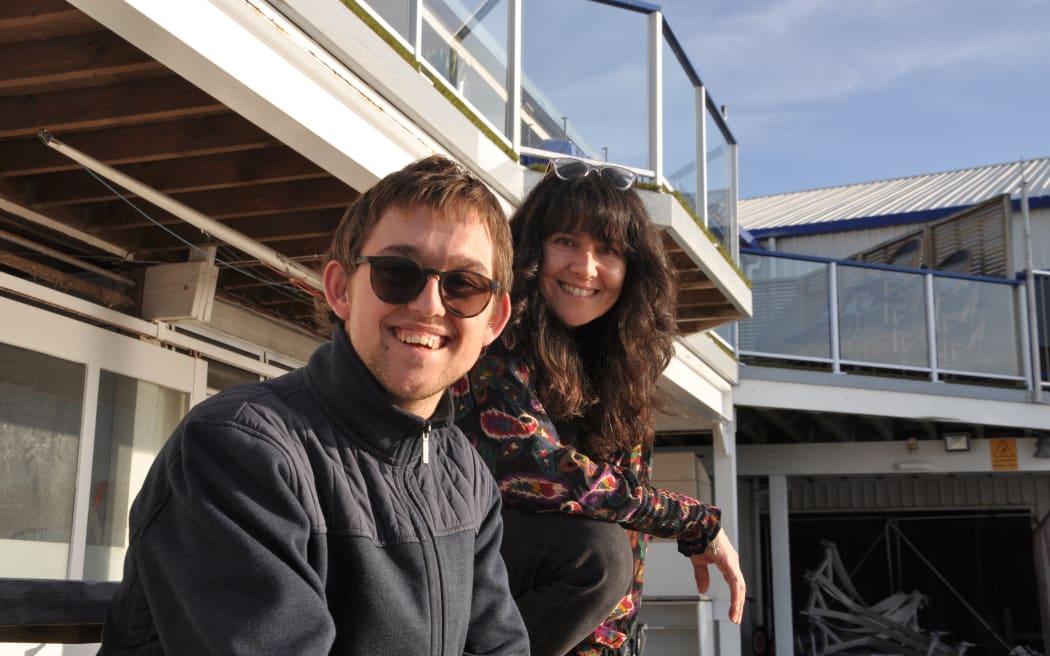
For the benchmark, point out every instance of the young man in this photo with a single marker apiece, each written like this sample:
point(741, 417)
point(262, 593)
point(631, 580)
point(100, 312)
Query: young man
point(336, 509)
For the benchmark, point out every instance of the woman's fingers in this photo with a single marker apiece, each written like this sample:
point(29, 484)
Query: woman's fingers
point(721, 553)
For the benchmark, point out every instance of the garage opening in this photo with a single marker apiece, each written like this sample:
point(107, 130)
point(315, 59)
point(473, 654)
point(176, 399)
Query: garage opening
point(976, 570)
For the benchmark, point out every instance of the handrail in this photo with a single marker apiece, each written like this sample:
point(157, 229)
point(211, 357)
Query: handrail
point(875, 265)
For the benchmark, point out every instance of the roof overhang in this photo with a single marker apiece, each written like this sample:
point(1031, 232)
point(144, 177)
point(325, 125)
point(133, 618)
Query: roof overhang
point(712, 291)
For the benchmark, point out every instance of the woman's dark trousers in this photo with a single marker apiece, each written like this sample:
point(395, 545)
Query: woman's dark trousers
point(567, 573)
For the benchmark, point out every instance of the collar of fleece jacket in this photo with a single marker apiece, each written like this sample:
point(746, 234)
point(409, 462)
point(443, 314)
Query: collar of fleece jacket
point(353, 397)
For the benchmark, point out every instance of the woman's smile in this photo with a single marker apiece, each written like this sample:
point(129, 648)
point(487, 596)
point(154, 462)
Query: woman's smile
point(581, 276)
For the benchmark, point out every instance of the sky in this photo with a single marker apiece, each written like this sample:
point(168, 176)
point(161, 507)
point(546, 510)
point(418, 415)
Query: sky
point(822, 93)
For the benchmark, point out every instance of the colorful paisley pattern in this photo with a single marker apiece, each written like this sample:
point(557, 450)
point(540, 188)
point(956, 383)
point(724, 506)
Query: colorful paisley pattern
point(536, 472)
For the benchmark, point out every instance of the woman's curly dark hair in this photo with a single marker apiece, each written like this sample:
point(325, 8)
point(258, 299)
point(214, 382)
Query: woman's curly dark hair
point(601, 377)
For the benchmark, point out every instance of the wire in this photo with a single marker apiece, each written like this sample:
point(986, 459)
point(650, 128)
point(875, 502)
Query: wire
point(933, 569)
point(295, 286)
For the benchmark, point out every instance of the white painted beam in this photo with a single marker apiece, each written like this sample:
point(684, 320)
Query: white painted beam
point(865, 458)
point(725, 461)
point(780, 553)
point(890, 403)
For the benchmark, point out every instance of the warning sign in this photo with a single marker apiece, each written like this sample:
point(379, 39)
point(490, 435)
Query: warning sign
point(1004, 453)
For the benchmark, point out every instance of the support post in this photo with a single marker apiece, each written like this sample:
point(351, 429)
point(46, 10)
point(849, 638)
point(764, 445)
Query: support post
point(726, 498)
point(781, 560)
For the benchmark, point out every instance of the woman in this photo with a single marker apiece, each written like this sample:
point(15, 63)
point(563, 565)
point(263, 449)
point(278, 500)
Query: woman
point(562, 407)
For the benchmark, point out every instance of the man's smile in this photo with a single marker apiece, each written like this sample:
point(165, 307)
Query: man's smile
point(420, 338)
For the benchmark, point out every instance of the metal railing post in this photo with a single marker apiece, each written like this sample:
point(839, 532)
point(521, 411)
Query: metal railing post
point(931, 329)
point(1029, 283)
point(1029, 366)
point(701, 153)
point(514, 23)
point(656, 93)
point(833, 313)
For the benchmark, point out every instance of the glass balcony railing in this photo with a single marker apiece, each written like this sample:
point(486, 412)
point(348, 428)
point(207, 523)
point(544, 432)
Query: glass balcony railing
point(845, 314)
point(631, 97)
point(594, 90)
point(467, 47)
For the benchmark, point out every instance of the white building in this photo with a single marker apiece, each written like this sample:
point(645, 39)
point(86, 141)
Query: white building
point(893, 401)
point(171, 172)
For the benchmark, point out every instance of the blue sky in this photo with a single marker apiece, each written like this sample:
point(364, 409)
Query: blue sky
point(828, 92)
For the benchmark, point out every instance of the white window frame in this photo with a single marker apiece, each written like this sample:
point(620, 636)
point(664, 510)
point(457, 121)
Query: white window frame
point(52, 334)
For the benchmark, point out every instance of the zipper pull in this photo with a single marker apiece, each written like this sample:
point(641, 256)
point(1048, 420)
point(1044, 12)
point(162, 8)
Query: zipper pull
point(426, 444)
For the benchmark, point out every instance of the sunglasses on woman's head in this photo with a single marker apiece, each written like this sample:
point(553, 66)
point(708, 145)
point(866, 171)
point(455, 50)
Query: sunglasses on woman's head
point(398, 280)
point(570, 168)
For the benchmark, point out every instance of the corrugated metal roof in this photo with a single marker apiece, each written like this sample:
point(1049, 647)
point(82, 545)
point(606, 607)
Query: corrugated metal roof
point(888, 198)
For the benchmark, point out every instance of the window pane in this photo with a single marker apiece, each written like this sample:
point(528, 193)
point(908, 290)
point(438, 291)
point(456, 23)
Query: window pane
point(719, 189)
point(790, 299)
point(977, 329)
point(134, 420)
point(467, 45)
point(396, 13)
point(882, 317)
point(223, 376)
point(41, 401)
point(586, 96)
point(680, 115)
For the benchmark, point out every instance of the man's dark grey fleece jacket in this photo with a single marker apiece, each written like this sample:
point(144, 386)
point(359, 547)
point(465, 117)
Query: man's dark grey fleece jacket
point(296, 517)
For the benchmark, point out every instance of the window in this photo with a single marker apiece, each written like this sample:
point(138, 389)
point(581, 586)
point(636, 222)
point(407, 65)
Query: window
point(134, 419)
point(41, 410)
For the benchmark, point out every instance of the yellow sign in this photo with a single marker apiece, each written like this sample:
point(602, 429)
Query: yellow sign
point(1004, 453)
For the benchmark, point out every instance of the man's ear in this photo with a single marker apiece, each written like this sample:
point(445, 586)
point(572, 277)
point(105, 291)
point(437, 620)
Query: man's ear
point(499, 317)
point(337, 289)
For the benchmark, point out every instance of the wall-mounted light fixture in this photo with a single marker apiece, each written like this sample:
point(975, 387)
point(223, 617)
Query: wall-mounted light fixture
point(956, 441)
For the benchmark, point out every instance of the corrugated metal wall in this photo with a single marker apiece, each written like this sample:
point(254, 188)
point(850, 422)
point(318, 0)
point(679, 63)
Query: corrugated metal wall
point(919, 493)
point(843, 244)
point(839, 244)
point(949, 189)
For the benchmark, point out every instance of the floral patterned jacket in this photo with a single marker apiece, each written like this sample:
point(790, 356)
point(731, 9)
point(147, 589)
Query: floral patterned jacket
point(537, 472)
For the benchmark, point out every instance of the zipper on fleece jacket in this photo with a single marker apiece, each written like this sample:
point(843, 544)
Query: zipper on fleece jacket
point(422, 518)
point(426, 444)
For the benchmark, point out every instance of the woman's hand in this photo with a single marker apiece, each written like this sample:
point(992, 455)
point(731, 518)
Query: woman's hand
point(722, 555)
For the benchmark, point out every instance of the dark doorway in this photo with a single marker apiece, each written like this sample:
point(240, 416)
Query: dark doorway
point(975, 568)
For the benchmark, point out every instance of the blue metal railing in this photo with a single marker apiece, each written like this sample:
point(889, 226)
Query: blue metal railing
point(842, 313)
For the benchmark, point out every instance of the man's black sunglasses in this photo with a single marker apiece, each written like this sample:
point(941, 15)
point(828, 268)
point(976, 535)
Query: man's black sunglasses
point(570, 168)
point(398, 280)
